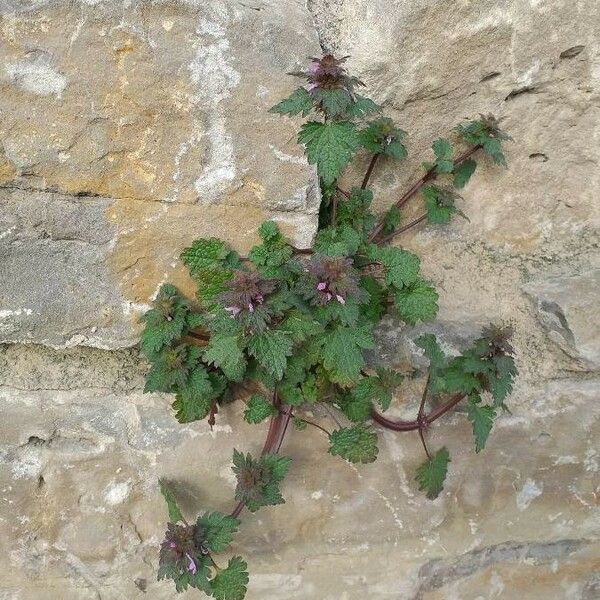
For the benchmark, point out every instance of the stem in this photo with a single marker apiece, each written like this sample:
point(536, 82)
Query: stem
point(369, 172)
point(406, 227)
point(277, 428)
point(315, 425)
point(414, 425)
point(429, 176)
point(343, 192)
point(334, 202)
point(420, 418)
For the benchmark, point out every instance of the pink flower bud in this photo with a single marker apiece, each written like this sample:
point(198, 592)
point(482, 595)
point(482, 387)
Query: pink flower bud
point(340, 299)
point(192, 566)
point(321, 286)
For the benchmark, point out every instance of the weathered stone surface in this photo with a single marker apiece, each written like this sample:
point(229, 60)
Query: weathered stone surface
point(150, 122)
point(81, 509)
point(129, 130)
point(566, 308)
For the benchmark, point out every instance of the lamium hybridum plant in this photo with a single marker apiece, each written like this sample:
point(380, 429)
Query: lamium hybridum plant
point(285, 328)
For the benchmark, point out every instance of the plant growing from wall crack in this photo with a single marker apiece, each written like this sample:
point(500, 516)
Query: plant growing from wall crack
point(285, 328)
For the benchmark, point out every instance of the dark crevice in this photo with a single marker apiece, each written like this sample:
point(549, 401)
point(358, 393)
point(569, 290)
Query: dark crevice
point(519, 91)
point(572, 52)
point(489, 76)
point(538, 156)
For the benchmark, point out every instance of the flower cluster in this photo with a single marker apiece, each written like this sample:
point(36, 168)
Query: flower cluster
point(331, 278)
point(246, 292)
point(179, 549)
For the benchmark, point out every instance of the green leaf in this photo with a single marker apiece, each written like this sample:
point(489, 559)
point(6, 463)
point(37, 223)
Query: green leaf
point(174, 511)
point(299, 102)
point(418, 302)
point(376, 306)
point(401, 268)
point(230, 583)
point(362, 106)
point(432, 474)
point(443, 153)
point(493, 148)
point(334, 103)
point(165, 322)
point(383, 137)
point(300, 325)
point(183, 579)
point(215, 530)
point(501, 383)
point(194, 400)
point(356, 444)
point(337, 241)
point(482, 419)
point(329, 146)
point(258, 479)
point(440, 204)
point(224, 351)
point(432, 350)
point(391, 220)
point(208, 254)
point(378, 388)
point(341, 352)
point(356, 407)
point(258, 409)
point(463, 172)
point(271, 350)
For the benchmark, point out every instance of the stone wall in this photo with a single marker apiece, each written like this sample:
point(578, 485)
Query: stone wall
point(131, 127)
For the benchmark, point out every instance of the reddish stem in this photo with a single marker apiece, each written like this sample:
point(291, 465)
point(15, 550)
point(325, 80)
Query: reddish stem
point(414, 425)
point(429, 176)
point(277, 428)
point(406, 227)
point(369, 172)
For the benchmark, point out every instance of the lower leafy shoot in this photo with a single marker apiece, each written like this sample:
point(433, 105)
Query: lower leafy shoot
point(186, 554)
point(289, 331)
point(432, 473)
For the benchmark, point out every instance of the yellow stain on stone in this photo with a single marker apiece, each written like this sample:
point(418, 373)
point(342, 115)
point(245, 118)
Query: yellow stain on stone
point(150, 237)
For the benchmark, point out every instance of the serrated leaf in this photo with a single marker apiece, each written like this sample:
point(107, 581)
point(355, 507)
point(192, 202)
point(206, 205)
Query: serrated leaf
point(299, 424)
point(271, 350)
point(401, 268)
point(329, 146)
point(356, 444)
point(165, 322)
point(337, 241)
point(442, 148)
point(376, 306)
point(172, 508)
point(300, 325)
point(362, 106)
point(300, 101)
point(334, 103)
point(230, 583)
point(391, 220)
point(417, 302)
point(432, 474)
point(258, 479)
point(224, 351)
point(463, 172)
point(258, 409)
point(205, 254)
point(378, 388)
point(341, 352)
point(215, 530)
point(194, 400)
point(482, 419)
point(432, 350)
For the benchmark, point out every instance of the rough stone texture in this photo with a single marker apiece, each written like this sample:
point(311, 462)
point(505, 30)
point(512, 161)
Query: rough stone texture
point(111, 164)
point(149, 120)
point(565, 308)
